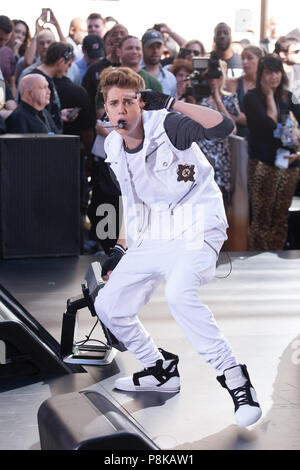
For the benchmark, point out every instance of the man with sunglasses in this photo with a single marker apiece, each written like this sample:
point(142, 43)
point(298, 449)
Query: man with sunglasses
point(190, 52)
point(288, 49)
point(57, 62)
point(190, 49)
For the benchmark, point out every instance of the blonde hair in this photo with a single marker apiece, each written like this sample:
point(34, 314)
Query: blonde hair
point(121, 77)
point(223, 67)
point(195, 41)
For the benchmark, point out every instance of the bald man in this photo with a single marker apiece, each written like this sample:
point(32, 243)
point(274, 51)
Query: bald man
point(31, 116)
point(77, 33)
point(272, 29)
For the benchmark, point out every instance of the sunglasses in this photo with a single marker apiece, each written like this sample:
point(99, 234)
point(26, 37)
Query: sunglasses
point(192, 51)
point(68, 55)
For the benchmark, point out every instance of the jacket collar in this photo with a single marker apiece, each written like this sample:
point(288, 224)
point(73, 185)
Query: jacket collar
point(114, 141)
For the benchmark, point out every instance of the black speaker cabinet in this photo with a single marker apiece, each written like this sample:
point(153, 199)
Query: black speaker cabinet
point(39, 195)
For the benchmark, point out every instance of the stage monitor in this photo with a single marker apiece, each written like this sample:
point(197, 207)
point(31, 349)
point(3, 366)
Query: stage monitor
point(26, 347)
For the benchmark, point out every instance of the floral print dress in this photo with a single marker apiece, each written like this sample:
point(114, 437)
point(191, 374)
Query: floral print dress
point(217, 151)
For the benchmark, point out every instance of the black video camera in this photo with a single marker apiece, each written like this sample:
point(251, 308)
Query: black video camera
point(205, 68)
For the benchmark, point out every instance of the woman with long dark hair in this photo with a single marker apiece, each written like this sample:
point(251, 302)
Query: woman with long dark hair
point(273, 153)
point(21, 38)
point(19, 42)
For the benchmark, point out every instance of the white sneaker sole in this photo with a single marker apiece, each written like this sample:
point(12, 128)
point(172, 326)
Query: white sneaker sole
point(249, 422)
point(128, 386)
point(149, 389)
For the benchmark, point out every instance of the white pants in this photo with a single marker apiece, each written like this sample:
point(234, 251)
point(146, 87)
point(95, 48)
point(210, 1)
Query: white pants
point(133, 281)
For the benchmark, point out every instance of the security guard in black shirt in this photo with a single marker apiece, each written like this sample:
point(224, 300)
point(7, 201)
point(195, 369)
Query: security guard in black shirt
point(31, 116)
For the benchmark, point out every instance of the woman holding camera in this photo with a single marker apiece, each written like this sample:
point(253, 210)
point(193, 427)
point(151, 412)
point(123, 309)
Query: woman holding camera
point(216, 151)
point(274, 149)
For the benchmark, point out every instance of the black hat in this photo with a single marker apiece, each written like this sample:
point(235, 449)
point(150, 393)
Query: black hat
point(93, 46)
point(152, 36)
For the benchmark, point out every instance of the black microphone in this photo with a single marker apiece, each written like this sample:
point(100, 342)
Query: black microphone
point(120, 125)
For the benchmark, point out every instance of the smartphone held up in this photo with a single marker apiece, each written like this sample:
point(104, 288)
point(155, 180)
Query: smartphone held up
point(45, 16)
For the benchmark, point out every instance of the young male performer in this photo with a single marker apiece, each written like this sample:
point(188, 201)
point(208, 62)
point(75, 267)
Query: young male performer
point(174, 228)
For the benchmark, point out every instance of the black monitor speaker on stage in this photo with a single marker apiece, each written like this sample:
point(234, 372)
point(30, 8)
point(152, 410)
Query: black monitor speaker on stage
point(89, 420)
point(26, 348)
point(39, 195)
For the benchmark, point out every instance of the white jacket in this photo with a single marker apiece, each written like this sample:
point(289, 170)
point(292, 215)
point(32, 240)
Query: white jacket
point(174, 177)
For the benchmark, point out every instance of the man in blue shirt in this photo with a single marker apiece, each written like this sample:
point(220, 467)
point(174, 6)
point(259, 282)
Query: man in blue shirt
point(153, 45)
point(93, 50)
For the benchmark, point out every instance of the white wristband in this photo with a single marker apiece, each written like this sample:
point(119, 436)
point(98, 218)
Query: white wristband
point(120, 248)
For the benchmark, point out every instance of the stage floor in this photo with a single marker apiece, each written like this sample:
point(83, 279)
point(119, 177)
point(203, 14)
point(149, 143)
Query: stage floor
point(258, 310)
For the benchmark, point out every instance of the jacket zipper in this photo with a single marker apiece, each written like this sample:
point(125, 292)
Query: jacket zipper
point(149, 154)
point(182, 198)
point(141, 228)
point(142, 220)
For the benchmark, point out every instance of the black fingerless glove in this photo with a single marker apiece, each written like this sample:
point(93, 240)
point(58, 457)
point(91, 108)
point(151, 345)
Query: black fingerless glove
point(155, 100)
point(114, 256)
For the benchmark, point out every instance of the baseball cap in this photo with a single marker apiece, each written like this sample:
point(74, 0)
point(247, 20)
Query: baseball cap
point(152, 36)
point(93, 45)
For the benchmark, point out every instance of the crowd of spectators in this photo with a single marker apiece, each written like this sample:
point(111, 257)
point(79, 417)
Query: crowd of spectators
point(52, 84)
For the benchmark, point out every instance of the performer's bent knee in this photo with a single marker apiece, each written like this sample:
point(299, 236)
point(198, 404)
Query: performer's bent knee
point(174, 294)
point(102, 308)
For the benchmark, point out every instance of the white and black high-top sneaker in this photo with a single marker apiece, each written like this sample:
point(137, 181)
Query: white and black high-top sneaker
point(246, 407)
point(163, 377)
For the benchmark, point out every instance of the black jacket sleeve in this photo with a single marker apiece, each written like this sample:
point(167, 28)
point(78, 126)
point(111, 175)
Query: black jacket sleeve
point(183, 131)
point(256, 112)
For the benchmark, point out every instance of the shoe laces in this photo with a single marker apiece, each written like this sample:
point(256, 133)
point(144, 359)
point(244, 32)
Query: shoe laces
point(240, 395)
